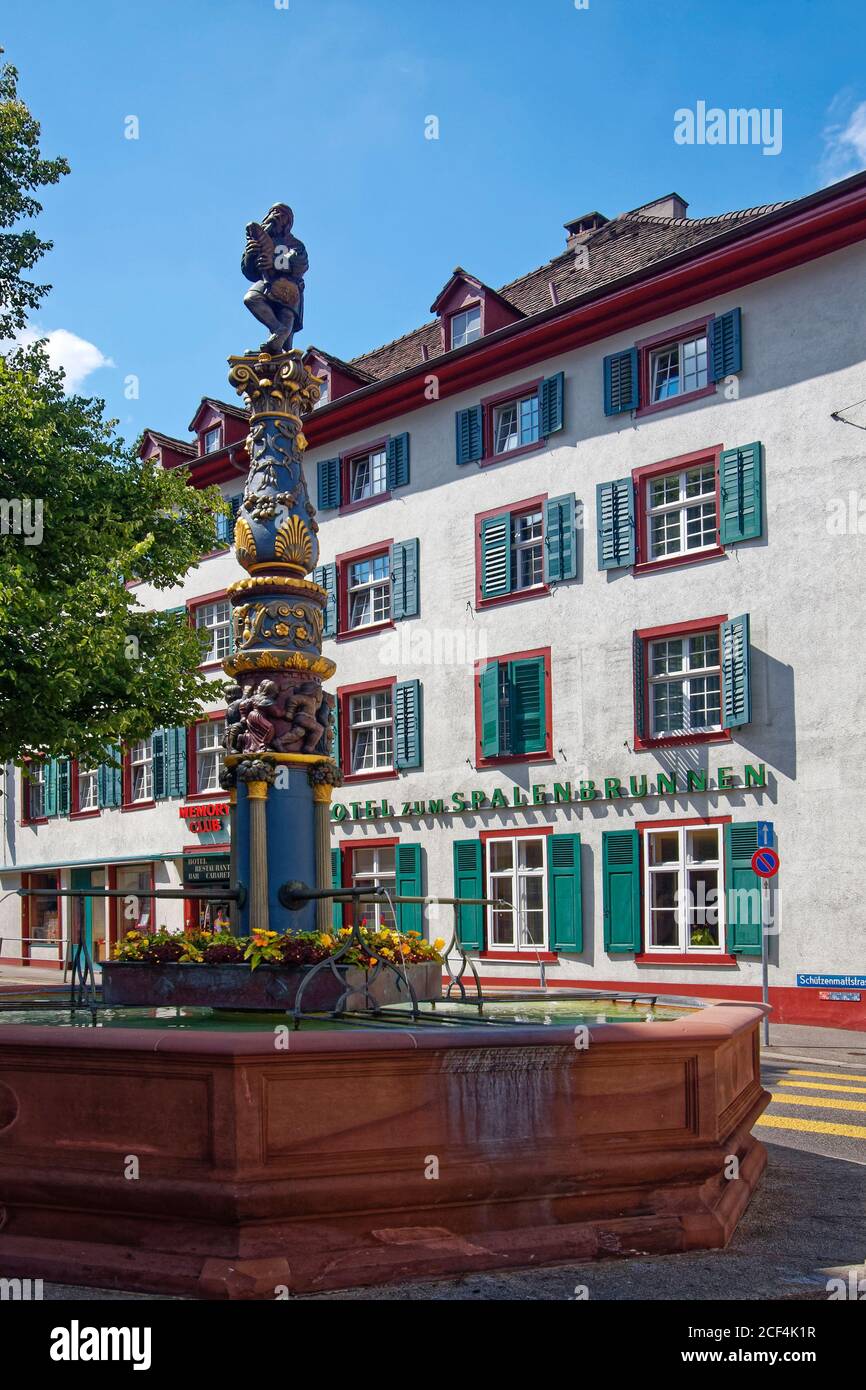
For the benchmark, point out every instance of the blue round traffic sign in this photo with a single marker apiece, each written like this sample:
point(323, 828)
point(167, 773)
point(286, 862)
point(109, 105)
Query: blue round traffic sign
point(765, 862)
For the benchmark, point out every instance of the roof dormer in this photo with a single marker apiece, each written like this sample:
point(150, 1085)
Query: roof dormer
point(164, 450)
point(468, 309)
point(339, 377)
point(217, 425)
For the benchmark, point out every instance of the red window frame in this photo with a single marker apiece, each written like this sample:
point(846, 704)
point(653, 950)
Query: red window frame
point(530, 504)
point(127, 804)
point(26, 818)
point(346, 460)
point(347, 854)
point(647, 635)
point(647, 957)
point(544, 754)
point(488, 406)
point(492, 952)
point(200, 600)
point(343, 561)
point(640, 478)
point(192, 788)
point(647, 346)
point(26, 915)
point(75, 811)
point(476, 303)
point(344, 696)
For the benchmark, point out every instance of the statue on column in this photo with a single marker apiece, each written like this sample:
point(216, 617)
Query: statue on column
point(277, 262)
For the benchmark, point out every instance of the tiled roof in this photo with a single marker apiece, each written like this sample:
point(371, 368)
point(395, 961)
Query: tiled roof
point(631, 242)
point(347, 367)
point(180, 446)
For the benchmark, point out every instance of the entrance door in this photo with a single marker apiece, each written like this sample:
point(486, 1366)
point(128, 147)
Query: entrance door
point(81, 878)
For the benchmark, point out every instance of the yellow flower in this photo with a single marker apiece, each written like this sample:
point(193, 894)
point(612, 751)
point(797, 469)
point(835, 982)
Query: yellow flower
point(438, 943)
point(405, 949)
point(326, 940)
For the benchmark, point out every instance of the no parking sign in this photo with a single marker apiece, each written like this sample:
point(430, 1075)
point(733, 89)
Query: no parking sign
point(765, 862)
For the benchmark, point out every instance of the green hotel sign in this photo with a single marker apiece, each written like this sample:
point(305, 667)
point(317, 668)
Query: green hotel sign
point(640, 788)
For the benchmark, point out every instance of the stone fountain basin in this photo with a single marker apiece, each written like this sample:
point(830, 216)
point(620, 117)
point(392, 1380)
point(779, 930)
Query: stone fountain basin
point(267, 987)
point(363, 1156)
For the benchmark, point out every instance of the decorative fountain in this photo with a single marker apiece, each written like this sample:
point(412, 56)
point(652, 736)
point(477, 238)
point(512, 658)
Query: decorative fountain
point(382, 1141)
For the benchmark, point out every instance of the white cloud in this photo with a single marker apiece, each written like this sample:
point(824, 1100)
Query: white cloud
point(844, 139)
point(74, 355)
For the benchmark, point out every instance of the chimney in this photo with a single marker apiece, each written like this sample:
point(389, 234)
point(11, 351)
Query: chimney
point(671, 206)
point(581, 228)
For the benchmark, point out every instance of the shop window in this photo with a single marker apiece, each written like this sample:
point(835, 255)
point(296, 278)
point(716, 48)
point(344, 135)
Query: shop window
point(466, 326)
point(214, 620)
point(516, 875)
point(43, 918)
point(135, 909)
point(683, 890)
point(537, 879)
point(209, 754)
point(692, 681)
point(513, 717)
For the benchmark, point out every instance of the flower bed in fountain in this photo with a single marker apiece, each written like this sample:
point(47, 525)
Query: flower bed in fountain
point(267, 970)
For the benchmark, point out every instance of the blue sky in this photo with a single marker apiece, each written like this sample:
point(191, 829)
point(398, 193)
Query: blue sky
point(545, 111)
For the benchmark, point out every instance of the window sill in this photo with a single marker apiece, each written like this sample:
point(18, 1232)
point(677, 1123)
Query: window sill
point(677, 561)
point(524, 449)
point(689, 958)
point(84, 815)
point(218, 795)
point(673, 401)
point(214, 665)
point(35, 820)
point(347, 507)
point(382, 775)
point(682, 740)
point(353, 632)
point(516, 596)
point(523, 957)
point(505, 759)
point(138, 806)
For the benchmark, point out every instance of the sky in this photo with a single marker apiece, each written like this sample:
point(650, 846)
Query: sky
point(543, 111)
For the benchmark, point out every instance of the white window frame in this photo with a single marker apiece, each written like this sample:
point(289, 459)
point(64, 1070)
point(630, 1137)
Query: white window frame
point(377, 914)
point(683, 678)
point(88, 789)
point(679, 508)
point(518, 944)
point(527, 424)
point(212, 429)
point(466, 326)
point(681, 867)
point(209, 755)
point(377, 588)
point(141, 765)
point(522, 545)
point(36, 791)
point(381, 727)
point(216, 618)
point(682, 348)
point(375, 481)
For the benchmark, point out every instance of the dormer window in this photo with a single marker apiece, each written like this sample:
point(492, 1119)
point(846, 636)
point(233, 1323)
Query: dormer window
point(466, 326)
point(324, 391)
point(211, 439)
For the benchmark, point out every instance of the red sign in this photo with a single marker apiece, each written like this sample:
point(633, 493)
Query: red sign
point(765, 862)
point(206, 817)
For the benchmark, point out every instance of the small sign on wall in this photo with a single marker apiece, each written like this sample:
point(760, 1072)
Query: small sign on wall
point(842, 996)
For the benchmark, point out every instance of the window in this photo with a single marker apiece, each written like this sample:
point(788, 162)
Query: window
point(683, 895)
point(515, 424)
point(211, 439)
point(215, 619)
point(678, 368)
point(368, 590)
point(685, 681)
point(527, 548)
point(44, 914)
point(36, 791)
point(136, 908)
point(375, 866)
point(88, 789)
point(324, 390)
point(466, 326)
point(512, 705)
point(681, 512)
point(141, 770)
point(368, 475)
point(371, 731)
point(208, 754)
point(516, 874)
point(527, 558)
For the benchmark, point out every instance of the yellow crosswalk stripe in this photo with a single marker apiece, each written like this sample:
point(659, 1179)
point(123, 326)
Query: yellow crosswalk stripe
point(812, 1126)
point(823, 1086)
point(819, 1102)
point(830, 1075)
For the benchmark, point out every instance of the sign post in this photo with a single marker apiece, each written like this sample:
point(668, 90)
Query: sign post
point(765, 863)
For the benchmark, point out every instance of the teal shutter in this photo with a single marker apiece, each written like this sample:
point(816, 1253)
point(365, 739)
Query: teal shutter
point(50, 797)
point(335, 746)
point(110, 782)
point(175, 761)
point(620, 867)
point(563, 893)
point(236, 502)
point(621, 382)
point(560, 540)
point(407, 724)
point(160, 771)
point(470, 434)
point(469, 883)
point(743, 890)
point(615, 524)
point(404, 580)
point(490, 723)
point(410, 916)
point(63, 787)
point(528, 722)
point(328, 489)
point(639, 685)
point(742, 517)
point(326, 577)
point(224, 528)
point(397, 461)
point(336, 882)
point(496, 555)
point(736, 673)
point(550, 394)
point(725, 345)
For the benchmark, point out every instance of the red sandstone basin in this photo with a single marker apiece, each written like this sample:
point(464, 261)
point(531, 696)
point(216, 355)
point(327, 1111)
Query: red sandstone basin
point(267, 987)
point(301, 1161)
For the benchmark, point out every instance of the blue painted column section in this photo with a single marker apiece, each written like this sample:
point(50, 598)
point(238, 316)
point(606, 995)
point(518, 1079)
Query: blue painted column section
point(243, 856)
point(291, 846)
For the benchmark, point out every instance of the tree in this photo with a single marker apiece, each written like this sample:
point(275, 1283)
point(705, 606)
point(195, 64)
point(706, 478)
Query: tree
point(83, 666)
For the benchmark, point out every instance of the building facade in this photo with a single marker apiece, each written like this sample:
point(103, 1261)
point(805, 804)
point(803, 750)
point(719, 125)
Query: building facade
point(593, 549)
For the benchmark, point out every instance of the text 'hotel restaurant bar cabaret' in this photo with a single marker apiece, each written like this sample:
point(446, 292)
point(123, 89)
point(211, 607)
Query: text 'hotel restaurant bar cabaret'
point(595, 554)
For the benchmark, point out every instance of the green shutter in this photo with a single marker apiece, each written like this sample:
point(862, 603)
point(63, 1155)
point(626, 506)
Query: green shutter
point(404, 580)
point(621, 391)
point(490, 732)
point(742, 510)
point(224, 528)
point(620, 867)
point(407, 724)
point(110, 781)
point(638, 684)
point(49, 804)
point(410, 916)
point(470, 434)
point(335, 746)
point(736, 673)
point(397, 461)
point(328, 484)
point(742, 890)
point(560, 539)
point(63, 786)
point(563, 892)
point(550, 394)
point(160, 771)
point(496, 555)
point(469, 883)
point(336, 882)
point(527, 705)
point(615, 524)
point(326, 577)
point(175, 761)
point(725, 345)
